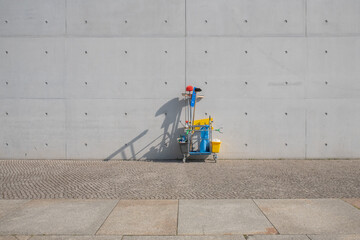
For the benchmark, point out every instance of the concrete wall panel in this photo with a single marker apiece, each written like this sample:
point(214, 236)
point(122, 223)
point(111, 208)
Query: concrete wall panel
point(125, 67)
point(257, 128)
point(333, 68)
point(246, 18)
point(126, 17)
point(33, 18)
point(102, 79)
point(124, 128)
point(32, 67)
point(333, 128)
point(32, 129)
point(247, 67)
point(333, 17)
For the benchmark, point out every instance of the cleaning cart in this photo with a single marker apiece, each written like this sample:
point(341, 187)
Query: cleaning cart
point(198, 134)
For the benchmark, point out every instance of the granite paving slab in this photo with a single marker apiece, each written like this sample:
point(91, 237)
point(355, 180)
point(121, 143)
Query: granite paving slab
point(22, 237)
point(142, 217)
point(311, 216)
point(8, 238)
point(278, 237)
point(353, 201)
point(237, 237)
point(241, 216)
point(7, 206)
point(89, 237)
point(57, 216)
point(334, 237)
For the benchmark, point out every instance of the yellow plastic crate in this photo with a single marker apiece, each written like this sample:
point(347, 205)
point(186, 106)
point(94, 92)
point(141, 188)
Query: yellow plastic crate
point(204, 121)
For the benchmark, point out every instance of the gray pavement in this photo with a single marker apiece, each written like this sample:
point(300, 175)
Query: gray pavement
point(334, 237)
point(253, 200)
point(142, 217)
point(308, 216)
point(209, 217)
point(56, 216)
point(238, 179)
point(279, 237)
point(228, 219)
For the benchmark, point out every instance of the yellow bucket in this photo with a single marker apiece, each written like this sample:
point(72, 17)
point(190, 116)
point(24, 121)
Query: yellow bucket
point(215, 146)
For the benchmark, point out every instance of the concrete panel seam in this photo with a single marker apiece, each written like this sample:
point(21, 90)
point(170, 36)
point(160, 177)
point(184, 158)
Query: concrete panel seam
point(107, 217)
point(253, 200)
point(66, 17)
point(305, 17)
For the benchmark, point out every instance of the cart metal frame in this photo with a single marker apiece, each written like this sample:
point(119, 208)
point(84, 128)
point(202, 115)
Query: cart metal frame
point(193, 130)
point(187, 147)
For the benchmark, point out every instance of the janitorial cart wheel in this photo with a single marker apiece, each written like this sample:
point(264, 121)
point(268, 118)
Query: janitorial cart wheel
point(215, 156)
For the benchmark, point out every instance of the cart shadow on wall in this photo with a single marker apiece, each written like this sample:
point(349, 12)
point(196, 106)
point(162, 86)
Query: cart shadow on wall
point(165, 146)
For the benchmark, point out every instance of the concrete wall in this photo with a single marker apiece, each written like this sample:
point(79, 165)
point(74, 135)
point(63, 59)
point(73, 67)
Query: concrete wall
point(102, 79)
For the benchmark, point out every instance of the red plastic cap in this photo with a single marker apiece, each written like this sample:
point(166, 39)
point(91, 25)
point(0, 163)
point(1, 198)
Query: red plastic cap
point(189, 88)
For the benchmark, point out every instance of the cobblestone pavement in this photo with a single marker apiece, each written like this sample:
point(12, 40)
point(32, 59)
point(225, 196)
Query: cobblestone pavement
point(37, 179)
